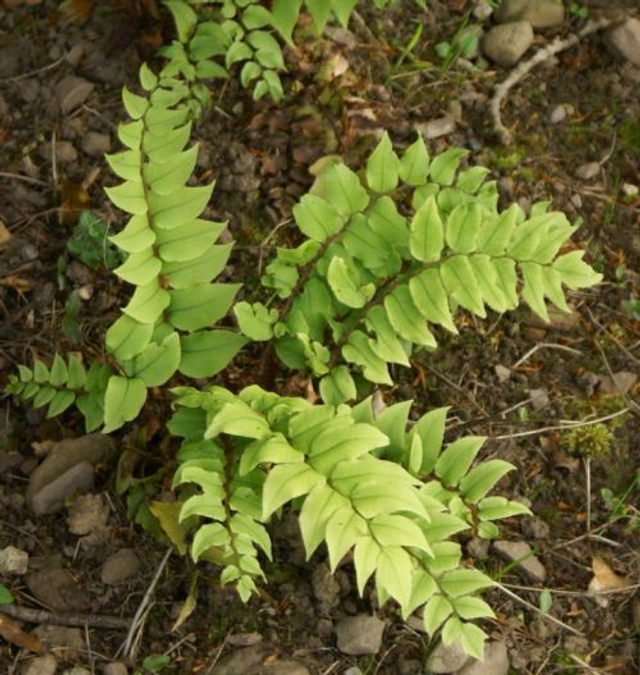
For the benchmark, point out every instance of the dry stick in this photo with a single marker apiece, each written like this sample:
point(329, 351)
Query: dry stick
point(561, 427)
point(33, 73)
point(527, 604)
point(545, 345)
point(26, 179)
point(145, 601)
point(80, 620)
point(501, 90)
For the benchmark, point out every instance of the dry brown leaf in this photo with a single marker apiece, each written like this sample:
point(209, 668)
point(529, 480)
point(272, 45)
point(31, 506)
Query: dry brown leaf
point(76, 12)
point(5, 234)
point(12, 632)
point(604, 579)
point(17, 283)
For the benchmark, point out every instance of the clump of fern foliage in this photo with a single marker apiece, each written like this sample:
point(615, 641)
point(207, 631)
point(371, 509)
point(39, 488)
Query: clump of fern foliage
point(388, 256)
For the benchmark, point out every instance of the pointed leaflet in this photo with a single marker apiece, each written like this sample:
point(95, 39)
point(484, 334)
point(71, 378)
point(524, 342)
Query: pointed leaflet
point(358, 350)
point(129, 197)
point(273, 449)
point(179, 207)
point(488, 283)
point(318, 507)
point(255, 321)
point(406, 319)
point(463, 225)
point(473, 639)
point(148, 303)
point(552, 282)
point(496, 231)
point(481, 479)
point(444, 166)
point(460, 282)
point(372, 498)
point(200, 306)
point(394, 573)
point(455, 461)
point(507, 280)
point(430, 429)
point(333, 446)
point(435, 613)
point(414, 165)
point(136, 236)
point(343, 530)
point(134, 105)
point(342, 9)
point(165, 177)
point(341, 187)
point(464, 581)
point(158, 362)
point(338, 386)
point(60, 402)
point(123, 401)
point(383, 167)
point(392, 421)
point(496, 508)
point(386, 346)
point(394, 530)
point(140, 268)
point(127, 164)
point(427, 232)
point(284, 15)
point(468, 607)
point(317, 218)
point(128, 337)
point(286, 482)
point(533, 291)
point(235, 418)
point(59, 374)
point(575, 272)
point(188, 241)
point(429, 296)
point(185, 18)
point(344, 286)
point(198, 270)
point(365, 560)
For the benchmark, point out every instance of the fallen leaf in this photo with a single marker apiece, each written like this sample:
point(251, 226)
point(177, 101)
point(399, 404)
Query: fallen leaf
point(5, 235)
point(12, 632)
point(604, 579)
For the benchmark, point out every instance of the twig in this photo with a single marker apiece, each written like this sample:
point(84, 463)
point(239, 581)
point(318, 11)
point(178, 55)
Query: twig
point(135, 622)
point(545, 345)
point(527, 604)
point(42, 616)
point(517, 74)
point(586, 666)
point(562, 427)
point(33, 73)
point(587, 470)
point(579, 594)
point(26, 179)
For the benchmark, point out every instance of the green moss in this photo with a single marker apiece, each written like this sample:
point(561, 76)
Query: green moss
point(594, 441)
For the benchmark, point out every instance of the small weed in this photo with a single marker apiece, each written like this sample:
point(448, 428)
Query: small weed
point(578, 10)
point(89, 243)
point(154, 663)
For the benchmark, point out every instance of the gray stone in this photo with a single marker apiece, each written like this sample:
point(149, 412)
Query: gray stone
point(51, 498)
point(58, 589)
point(558, 114)
point(624, 40)
point(65, 153)
point(527, 564)
point(478, 548)
point(506, 44)
point(120, 567)
point(242, 661)
point(482, 10)
point(326, 588)
point(41, 665)
point(115, 669)
point(630, 190)
point(72, 92)
point(535, 528)
point(496, 661)
point(96, 144)
point(447, 659)
point(13, 561)
point(15, 58)
point(621, 383)
point(588, 171)
point(67, 643)
point(361, 634)
point(28, 90)
point(437, 128)
point(65, 456)
point(502, 372)
point(539, 13)
point(354, 670)
point(539, 399)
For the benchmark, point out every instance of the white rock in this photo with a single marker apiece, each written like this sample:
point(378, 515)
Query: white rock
point(13, 561)
point(588, 171)
point(624, 40)
point(115, 668)
point(539, 13)
point(437, 128)
point(496, 661)
point(482, 10)
point(539, 398)
point(629, 190)
point(521, 552)
point(558, 114)
point(506, 44)
point(502, 372)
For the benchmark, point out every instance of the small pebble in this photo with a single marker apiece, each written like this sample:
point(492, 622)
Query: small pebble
point(588, 171)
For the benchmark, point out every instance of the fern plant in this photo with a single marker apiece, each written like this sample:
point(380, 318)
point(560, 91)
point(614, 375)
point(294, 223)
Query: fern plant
point(384, 257)
point(385, 261)
point(361, 484)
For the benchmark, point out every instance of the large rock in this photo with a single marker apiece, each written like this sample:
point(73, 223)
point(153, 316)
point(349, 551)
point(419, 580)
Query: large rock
point(120, 567)
point(539, 13)
point(506, 44)
point(361, 634)
point(67, 469)
point(41, 665)
point(58, 589)
point(624, 40)
point(495, 662)
point(447, 659)
point(521, 554)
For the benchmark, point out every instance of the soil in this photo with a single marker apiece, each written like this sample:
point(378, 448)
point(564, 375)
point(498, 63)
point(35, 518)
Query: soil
point(509, 378)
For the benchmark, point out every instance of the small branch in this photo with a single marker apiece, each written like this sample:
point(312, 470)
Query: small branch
point(517, 74)
point(33, 73)
point(42, 616)
point(527, 604)
point(545, 345)
point(26, 179)
point(561, 427)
